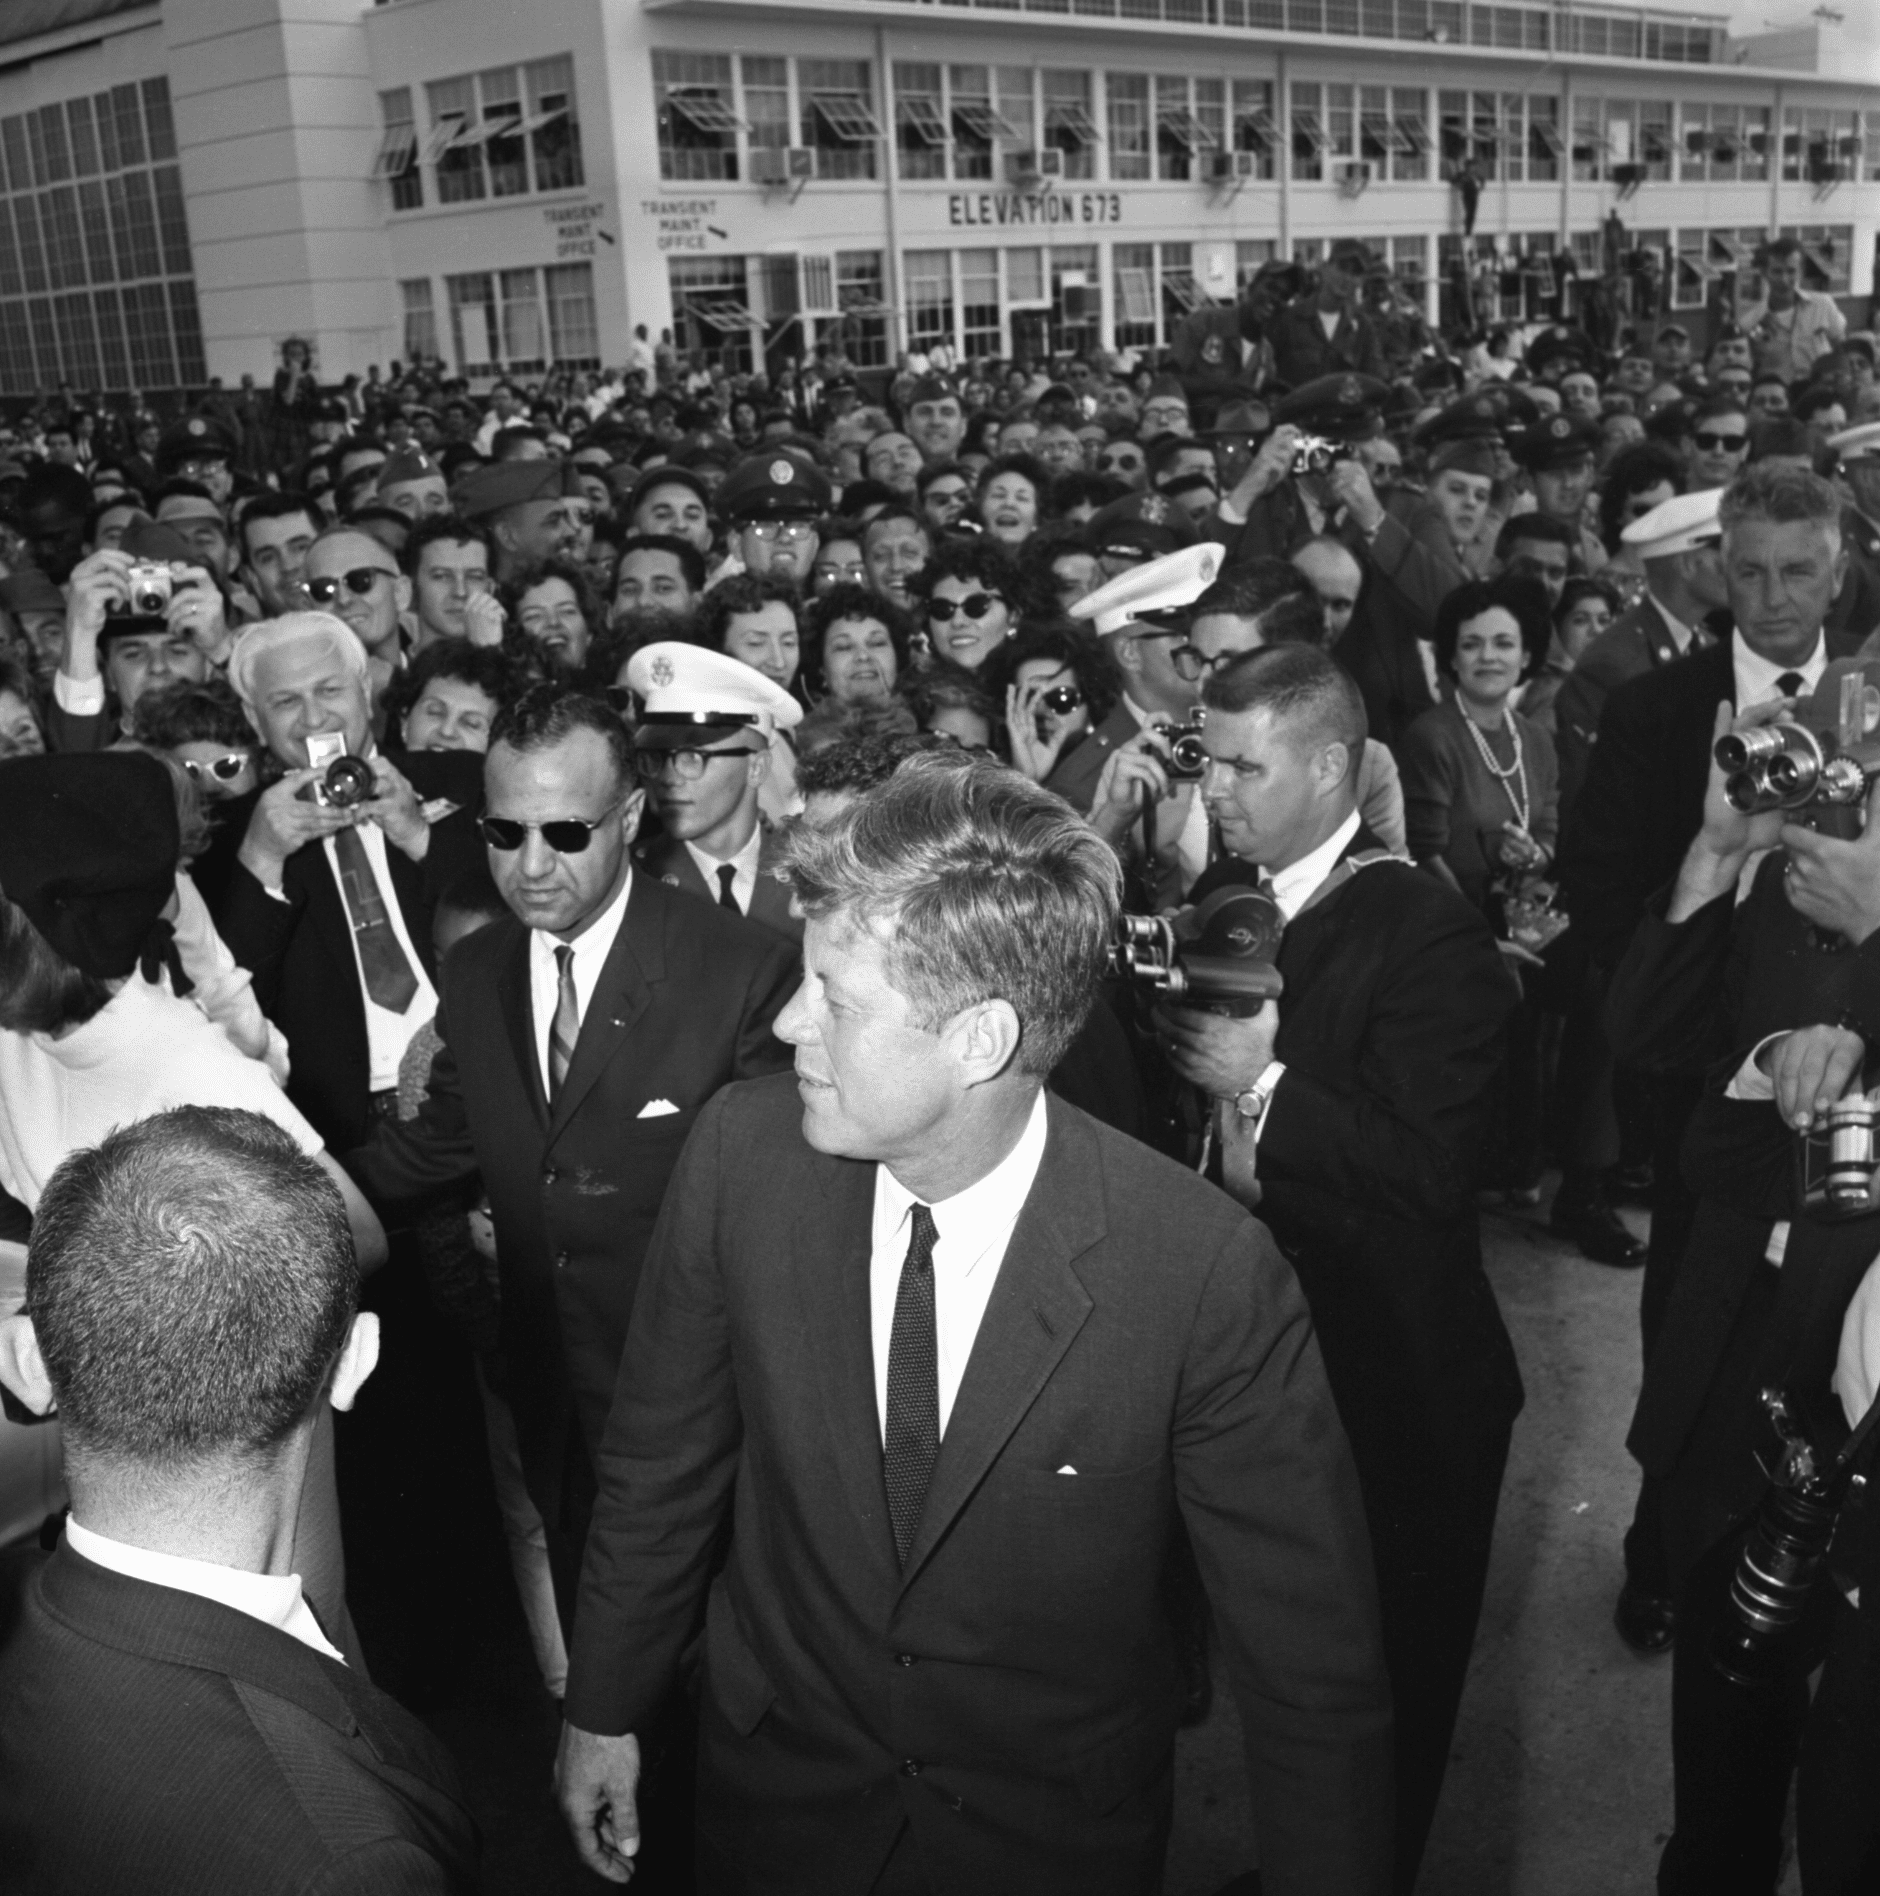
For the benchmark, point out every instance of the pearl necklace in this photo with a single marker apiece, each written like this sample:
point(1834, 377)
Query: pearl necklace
point(1513, 779)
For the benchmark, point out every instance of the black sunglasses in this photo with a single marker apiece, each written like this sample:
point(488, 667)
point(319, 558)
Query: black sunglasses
point(566, 836)
point(1061, 699)
point(1712, 442)
point(973, 606)
point(359, 581)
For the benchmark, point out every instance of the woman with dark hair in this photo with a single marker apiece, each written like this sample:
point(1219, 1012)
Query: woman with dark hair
point(1012, 493)
point(952, 703)
point(1056, 568)
point(203, 728)
point(856, 645)
point(1639, 477)
point(754, 620)
point(1056, 686)
point(448, 696)
point(969, 593)
point(1588, 604)
point(557, 611)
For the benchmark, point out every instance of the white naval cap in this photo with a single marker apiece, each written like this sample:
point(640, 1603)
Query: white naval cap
point(1857, 444)
point(1676, 525)
point(1161, 585)
point(689, 694)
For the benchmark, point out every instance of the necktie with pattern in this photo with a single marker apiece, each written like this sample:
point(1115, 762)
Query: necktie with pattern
point(390, 982)
point(727, 899)
point(565, 1029)
point(913, 1437)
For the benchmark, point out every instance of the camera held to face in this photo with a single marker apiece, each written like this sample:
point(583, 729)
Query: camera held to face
point(345, 782)
point(148, 588)
point(1218, 955)
point(1187, 755)
point(1315, 454)
point(1817, 764)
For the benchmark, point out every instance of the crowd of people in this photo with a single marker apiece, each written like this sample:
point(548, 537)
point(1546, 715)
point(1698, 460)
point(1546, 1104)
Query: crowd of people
point(577, 924)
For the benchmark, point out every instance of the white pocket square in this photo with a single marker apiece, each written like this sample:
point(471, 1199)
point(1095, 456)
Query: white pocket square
point(656, 1109)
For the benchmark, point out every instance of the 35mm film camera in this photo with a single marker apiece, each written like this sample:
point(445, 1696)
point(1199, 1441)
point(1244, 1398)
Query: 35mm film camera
point(1314, 454)
point(344, 781)
point(1818, 764)
point(1218, 955)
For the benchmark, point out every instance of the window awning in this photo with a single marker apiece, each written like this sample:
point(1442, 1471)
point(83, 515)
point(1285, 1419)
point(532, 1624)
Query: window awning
point(1066, 115)
point(847, 114)
point(443, 135)
point(707, 111)
point(920, 115)
point(1135, 296)
point(396, 150)
point(1548, 133)
point(541, 121)
point(1258, 124)
point(727, 317)
point(1186, 130)
point(1184, 290)
point(1731, 247)
point(1306, 125)
point(1698, 265)
point(980, 120)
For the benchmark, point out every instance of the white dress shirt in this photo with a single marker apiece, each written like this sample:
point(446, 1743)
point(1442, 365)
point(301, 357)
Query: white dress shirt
point(387, 1034)
point(591, 949)
point(275, 1599)
point(744, 866)
point(972, 1230)
point(1756, 676)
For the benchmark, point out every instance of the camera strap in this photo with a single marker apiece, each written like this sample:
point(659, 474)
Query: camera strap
point(1345, 870)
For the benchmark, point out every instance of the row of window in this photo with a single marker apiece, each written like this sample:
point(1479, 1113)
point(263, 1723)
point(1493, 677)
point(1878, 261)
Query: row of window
point(507, 321)
point(728, 118)
point(144, 336)
point(500, 133)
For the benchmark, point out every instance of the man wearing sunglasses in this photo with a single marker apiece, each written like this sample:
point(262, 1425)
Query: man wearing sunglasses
point(1718, 443)
point(704, 738)
point(352, 576)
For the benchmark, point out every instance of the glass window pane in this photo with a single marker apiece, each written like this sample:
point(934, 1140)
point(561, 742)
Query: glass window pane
point(84, 137)
point(172, 220)
point(186, 324)
point(32, 252)
point(573, 332)
point(110, 325)
point(130, 140)
point(552, 107)
point(420, 318)
point(157, 120)
point(141, 212)
point(525, 337)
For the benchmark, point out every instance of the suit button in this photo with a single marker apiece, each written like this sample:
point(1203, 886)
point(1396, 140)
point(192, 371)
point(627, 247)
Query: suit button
point(561, 1260)
point(549, 1174)
point(910, 1767)
point(903, 1658)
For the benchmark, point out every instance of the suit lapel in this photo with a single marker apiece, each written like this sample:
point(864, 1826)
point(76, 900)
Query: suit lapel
point(514, 997)
point(621, 996)
point(1037, 1308)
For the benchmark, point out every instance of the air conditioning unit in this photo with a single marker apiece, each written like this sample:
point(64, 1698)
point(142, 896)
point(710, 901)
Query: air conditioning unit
point(1352, 178)
point(1227, 165)
point(794, 164)
point(1044, 166)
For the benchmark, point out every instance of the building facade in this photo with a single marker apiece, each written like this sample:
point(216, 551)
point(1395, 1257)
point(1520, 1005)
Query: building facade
point(190, 182)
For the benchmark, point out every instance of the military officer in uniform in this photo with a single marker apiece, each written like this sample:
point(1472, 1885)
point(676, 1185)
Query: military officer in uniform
point(704, 742)
point(1560, 453)
point(770, 503)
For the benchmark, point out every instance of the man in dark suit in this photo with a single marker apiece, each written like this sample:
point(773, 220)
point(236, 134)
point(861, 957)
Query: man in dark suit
point(705, 736)
point(948, 1363)
point(172, 1715)
point(1351, 1113)
point(1327, 333)
point(1640, 806)
point(580, 1040)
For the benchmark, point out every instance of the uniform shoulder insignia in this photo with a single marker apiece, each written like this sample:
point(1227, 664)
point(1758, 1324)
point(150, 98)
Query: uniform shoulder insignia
point(671, 881)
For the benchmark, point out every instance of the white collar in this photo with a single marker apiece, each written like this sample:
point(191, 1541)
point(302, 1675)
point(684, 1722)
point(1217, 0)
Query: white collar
point(275, 1599)
point(598, 937)
point(1295, 885)
point(1756, 676)
point(991, 1203)
point(745, 858)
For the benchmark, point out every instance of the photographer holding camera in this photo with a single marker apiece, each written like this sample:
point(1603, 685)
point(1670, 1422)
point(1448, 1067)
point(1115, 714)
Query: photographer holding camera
point(1351, 1112)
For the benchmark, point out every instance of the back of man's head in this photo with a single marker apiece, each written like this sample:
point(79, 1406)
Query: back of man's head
point(1302, 689)
point(190, 1282)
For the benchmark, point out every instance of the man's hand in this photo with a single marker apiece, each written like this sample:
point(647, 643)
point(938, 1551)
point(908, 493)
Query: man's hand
point(1221, 1055)
point(596, 1781)
point(99, 582)
point(284, 821)
point(1351, 487)
point(1836, 884)
point(1812, 1068)
point(195, 608)
point(1728, 838)
point(1267, 468)
point(394, 806)
point(483, 619)
point(1134, 777)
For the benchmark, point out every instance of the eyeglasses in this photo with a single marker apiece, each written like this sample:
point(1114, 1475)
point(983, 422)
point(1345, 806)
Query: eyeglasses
point(566, 836)
point(828, 575)
point(1717, 443)
point(222, 769)
point(1192, 663)
point(973, 606)
point(687, 765)
point(789, 532)
point(359, 581)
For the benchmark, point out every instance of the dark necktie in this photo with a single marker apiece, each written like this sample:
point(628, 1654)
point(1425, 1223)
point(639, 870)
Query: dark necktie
point(390, 982)
point(1790, 684)
point(565, 1029)
point(727, 875)
point(913, 1438)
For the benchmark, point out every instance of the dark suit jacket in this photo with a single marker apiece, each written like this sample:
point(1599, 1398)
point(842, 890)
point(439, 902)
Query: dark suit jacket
point(1302, 351)
point(684, 1004)
point(1855, 613)
point(153, 1743)
point(1075, 777)
point(1012, 1693)
point(301, 955)
point(1391, 1030)
point(672, 863)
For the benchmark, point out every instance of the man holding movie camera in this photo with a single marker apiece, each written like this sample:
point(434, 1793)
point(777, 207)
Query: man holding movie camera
point(1350, 1113)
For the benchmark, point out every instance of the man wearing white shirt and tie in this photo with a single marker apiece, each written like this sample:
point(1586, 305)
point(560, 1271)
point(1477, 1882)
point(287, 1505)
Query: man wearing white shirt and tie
point(172, 1715)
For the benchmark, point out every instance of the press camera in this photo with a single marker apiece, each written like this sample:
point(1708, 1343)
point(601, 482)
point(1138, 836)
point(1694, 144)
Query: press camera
point(1218, 955)
point(1187, 754)
point(148, 588)
point(344, 781)
point(1314, 454)
point(1817, 764)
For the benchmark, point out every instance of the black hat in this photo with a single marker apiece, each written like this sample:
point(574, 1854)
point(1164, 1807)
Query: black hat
point(1555, 442)
point(29, 590)
point(663, 474)
point(1144, 526)
point(1562, 342)
point(89, 853)
point(774, 486)
point(1346, 407)
point(932, 388)
point(195, 436)
point(1474, 418)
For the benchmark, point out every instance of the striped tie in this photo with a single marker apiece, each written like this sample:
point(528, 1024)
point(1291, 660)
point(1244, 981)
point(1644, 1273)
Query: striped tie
point(566, 1028)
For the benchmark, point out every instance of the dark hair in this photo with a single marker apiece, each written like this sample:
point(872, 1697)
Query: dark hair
point(941, 686)
point(1089, 661)
point(593, 612)
point(1026, 465)
point(938, 470)
point(182, 490)
point(435, 527)
point(1082, 488)
point(191, 1279)
point(858, 763)
point(1720, 404)
point(975, 558)
point(489, 668)
point(183, 712)
point(691, 560)
point(868, 492)
point(1249, 588)
point(1520, 595)
point(281, 506)
point(1586, 586)
point(746, 592)
point(549, 714)
point(40, 991)
point(850, 601)
point(1635, 469)
point(897, 509)
point(1779, 434)
point(99, 508)
point(1534, 526)
point(1294, 681)
point(473, 891)
point(1812, 400)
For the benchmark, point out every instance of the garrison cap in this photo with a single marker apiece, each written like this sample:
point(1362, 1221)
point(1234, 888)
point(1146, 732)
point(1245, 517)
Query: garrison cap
point(1347, 407)
point(1471, 454)
point(1676, 525)
point(1167, 585)
point(775, 486)
point(487, 490)
point(1556, 441)
point(693, 696)
point(1139, 526)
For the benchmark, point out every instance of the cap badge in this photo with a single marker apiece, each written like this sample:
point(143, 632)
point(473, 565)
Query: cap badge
point(782, 473)
point(1154, 509)
point(197, 426)
point(1349, 392)
point(662, 671)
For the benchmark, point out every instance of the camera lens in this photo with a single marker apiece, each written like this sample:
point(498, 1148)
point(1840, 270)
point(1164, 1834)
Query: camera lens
point(348, 781)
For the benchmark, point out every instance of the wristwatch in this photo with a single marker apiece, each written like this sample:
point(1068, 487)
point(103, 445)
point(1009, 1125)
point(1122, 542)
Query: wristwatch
point(1251, 1105)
